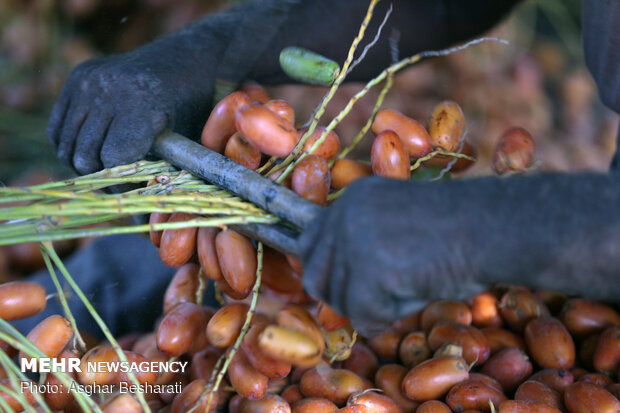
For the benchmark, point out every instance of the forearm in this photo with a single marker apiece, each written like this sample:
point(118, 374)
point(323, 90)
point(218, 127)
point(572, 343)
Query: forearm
point(328, 27)
point(553, 231)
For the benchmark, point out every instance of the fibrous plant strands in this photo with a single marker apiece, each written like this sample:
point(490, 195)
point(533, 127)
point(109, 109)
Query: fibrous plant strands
point(297, 156)
point(61, 210)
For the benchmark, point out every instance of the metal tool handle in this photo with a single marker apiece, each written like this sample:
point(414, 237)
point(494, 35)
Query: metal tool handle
point(241, 181)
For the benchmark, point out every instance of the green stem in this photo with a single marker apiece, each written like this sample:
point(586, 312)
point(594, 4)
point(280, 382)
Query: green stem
point(16, 340)
point(330, 94)
point(77, 337)
point(388, 85)
point(104, 328)
point(233, 350)
point(7, 362)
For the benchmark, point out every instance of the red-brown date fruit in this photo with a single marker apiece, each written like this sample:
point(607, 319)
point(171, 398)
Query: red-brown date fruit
point(278, 273)
point(190, 395)
point(282, 109)
point(388, 156)
point(535, 391)
point(335, 385)
point(484, 311)
point(409, 323)
point(475, 347)
point(180, 328)
point(510, 367)
point(473, 394)
point(21, 299)
point(521, 406)
point(289, 346)
point(272, 403)
point(296, 317)
point(221, 123)
point(386, 344)
point(433, 406)
point(267, 131)
point(355, 408)
point(292, 394)
point(12, 402)
point(346, 171)
point(558, 380)
point(584, 397)
point(328, 149)
point(329, 319)
point(50, 336)
point(446, 126)
point(376, 402)
point(583, 318)
point(614, 389)
point(207, 254)
point(578, 372)
point(412, 134)
point(203, 362)
point(607, 354)
point(156, 218)
point(245, 379)
point(311, 179)
point(237, 259)
point(295, 263)
point(255, 92)
point(362, 361)
point(414, 349)
point(58, 400)
point(519, 306)
point(549, 343)
point(260, 361)
point(183, 287)
point(587, 347)
point(313, 405)
point(389, 378)
point(61, 397)
point(445, 310)
point(514, 151)
point(433, 378)
point(488, 380)
point(499, 338)
point(178, 245)
point(227, 289)
point(441, 161)
point(241, 151)
point(121, 403)
point(225, 325)
point(99, 354)
point(553, 300)
point(596, 378)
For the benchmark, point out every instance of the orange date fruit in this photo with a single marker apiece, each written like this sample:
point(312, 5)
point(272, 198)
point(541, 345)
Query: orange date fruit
point(183, 287)
point(21, 299)
point(549, 343)
point(221, 123)
point(241, 151)
point(177, 245)
point(388, 156)
point(328, 149)
point(311, 179)
point(267, 131)
point(237, 258)
point(415, 138)
point(346, 171)
point(434, 378)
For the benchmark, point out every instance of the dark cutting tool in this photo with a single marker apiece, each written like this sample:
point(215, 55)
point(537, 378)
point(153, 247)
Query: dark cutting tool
point(241, 181)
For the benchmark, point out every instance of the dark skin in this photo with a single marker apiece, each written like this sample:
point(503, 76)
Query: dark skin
point(386, 247)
